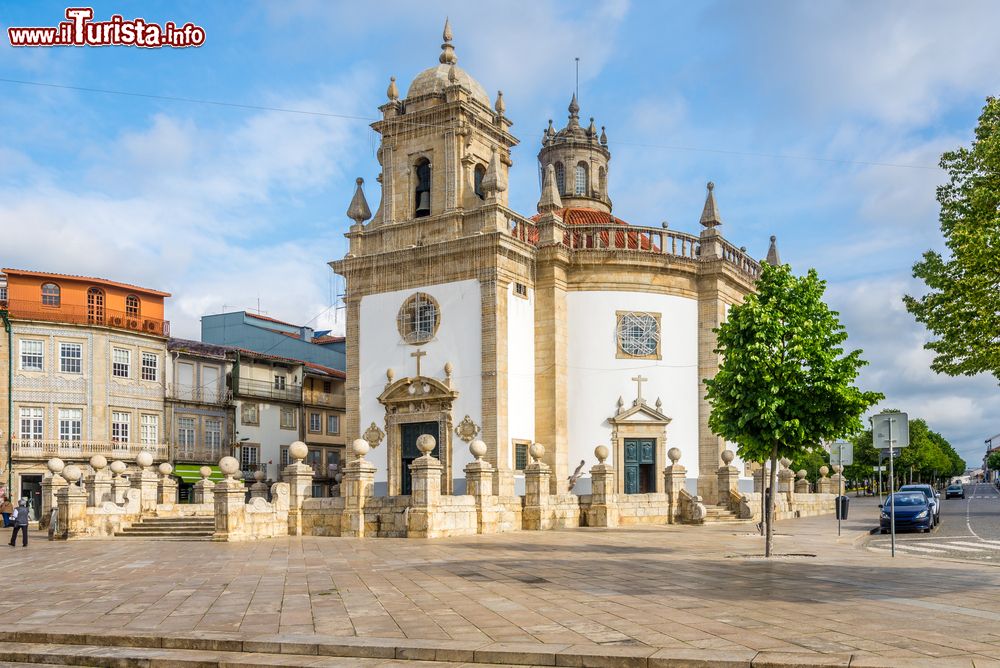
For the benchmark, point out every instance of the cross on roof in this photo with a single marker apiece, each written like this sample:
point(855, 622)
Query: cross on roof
point(639, 380)
point(418, 354)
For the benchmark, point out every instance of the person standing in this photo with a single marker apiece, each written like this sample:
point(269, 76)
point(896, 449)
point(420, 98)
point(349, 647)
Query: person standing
point(20, 524)
point(6, 509)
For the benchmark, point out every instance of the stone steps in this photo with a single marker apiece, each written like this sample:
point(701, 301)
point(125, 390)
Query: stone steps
point(720, 514)
point(171, 528)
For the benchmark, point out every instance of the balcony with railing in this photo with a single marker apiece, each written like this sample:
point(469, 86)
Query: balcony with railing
point(202, 455)
point(88, 315)
point(327, 399)
point(214, 395)
point(263, 389)
point(37, 449)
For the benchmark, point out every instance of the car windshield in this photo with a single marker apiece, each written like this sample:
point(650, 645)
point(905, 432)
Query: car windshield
point(914, 488)
point(956, 487)
point(909, 499)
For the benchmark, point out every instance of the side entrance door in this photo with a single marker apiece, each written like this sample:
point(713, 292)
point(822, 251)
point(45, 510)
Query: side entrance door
point(408, 434)
point(640, 465)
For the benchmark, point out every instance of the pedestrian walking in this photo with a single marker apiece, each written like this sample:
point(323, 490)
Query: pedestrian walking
point(20, 524)
point(6, 509)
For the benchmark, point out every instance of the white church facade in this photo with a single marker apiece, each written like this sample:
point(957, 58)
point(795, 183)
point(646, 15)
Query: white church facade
point(566, 326)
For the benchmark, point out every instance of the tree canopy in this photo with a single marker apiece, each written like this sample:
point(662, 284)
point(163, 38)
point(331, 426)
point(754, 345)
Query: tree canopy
point(993, 461)
point(962, 307)
point(929, 454)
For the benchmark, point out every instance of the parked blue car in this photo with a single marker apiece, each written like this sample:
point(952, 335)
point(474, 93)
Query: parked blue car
point(914, 511)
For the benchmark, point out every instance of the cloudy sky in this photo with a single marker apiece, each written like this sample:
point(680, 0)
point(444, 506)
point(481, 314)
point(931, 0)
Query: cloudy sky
point(821, 123)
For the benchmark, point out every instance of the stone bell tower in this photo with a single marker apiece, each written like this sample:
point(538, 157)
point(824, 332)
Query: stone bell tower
point(580, 159)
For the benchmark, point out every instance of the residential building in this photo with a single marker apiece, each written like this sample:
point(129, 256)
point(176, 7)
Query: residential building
point(83, 364)
point(323, 412)
point(254, 331)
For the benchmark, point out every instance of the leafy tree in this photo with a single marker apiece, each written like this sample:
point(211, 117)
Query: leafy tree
point(785, 383)
point(993, 461)
point(962, 307)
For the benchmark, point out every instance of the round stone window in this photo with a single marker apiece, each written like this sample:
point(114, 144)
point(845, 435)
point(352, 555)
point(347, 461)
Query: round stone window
point(638, 335)
point(419, 318)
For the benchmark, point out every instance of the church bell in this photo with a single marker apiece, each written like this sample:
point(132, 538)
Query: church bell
point(424, 204)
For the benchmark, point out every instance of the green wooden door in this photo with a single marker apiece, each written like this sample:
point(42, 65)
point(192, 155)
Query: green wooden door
point(640, 465)
point(408, 434)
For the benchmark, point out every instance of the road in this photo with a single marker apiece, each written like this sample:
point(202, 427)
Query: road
point(969, 529)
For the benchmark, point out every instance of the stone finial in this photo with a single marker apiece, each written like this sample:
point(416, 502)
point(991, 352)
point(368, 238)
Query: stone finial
point(710, 214)
point(360, 447)
point(258, 475)
point(389, 375)
point(447, 56)
point(358, 210)
point(659, 404)
point(229, 466)
point(727, 457)
point(785, 462)
point(98, 462)
point(838, 468)
point(144, 459)
point(499, 105)
point(537, 451)
point(426, 444)
point(773, 258)
point(550, 201)
point(601, 452)
point(56, 465)
point(165, 469)
point(493, 182)
point(574, 108)
point(604, 137)
point(298, 451)
point(448, 369)
point(393, 91)
point(205, 472)
point(550, 131)
point(452, 75)
point(620, 403)
point(118, 467)
point(801, 474)
point(823, 471)
point(591, 129)
point(674, 454)
point(477, 448)
point(72, 473)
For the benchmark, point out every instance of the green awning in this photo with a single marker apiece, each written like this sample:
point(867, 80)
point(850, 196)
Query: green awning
point(191, 473)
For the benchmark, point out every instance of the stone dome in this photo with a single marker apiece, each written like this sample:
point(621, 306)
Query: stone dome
point(434, 80)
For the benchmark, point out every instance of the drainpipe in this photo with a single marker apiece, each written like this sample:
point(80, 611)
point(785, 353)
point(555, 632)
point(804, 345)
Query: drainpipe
point(10, 400)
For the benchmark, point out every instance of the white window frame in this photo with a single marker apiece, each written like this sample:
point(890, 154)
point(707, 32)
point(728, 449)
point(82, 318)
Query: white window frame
point(280, 381)
point(248, 408)
point(290, 423)
point(149, 428)
point(186, 435)
point(64, 358)
point(119, 368)
point(32, 423)
point(150, 366)
point(36, 357)
point(249, 457)
point(70, 424)
point(213, 434)
point(316, 423)
point(121, 427)
point(336, 420)
point(580, 180)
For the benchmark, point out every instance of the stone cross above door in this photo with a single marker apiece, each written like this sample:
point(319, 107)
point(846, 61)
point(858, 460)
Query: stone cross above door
point(418, 354)
point(639, 380)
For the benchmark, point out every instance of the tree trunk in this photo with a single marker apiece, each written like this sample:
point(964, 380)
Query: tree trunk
point(763, 499)
point(770, 502)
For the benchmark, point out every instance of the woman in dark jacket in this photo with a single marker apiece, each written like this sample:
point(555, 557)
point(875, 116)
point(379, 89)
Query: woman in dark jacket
point(20, 524)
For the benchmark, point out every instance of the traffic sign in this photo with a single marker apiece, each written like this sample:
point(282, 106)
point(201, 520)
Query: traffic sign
point(841, 453)
point(880, 469)
point(884, 452)
point(895, 423)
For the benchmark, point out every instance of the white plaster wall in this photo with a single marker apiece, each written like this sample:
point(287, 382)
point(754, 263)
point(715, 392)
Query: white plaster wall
point(458, 340)
point(597, 377)
point(520, 368)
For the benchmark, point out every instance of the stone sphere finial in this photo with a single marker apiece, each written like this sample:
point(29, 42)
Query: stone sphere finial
point(205, 472)
point(785, 462)
point(165, 469)
point(144, 459)
point(360, 447)
point(824, 470)
point(258, 475)
point(98, 462)
point(478, 449)
point(801, 475)
point(426, 444)
point(837, 468)
point(229, 466)
point(674, 454)
point(389, 375)
point(448, 368)
point(72, 473)
point(298, 451)
point(601, 452)
point(537, 451)
point(56, 465)
point(727, 457)
point(118, 467)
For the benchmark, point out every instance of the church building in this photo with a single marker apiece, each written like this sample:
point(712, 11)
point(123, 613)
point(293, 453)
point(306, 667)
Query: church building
point(566, 326)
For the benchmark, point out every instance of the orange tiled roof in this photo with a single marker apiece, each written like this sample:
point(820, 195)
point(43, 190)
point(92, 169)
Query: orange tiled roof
point(337, 373)
point(579, 216)
point(328, 339)
point(91, 279)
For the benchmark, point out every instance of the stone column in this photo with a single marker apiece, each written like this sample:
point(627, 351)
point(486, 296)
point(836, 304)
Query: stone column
point(258, 490)
point(357, 488)
point(72, 503)
point(603, 503)
point(99, 484)
point(728, 478)
point(425, 472)
point(203, 488)
point(760, 480)
point(824, 485)
point(299, 477)
point(674, 477)
point(166, 486)
point(479, 483)
point(786, 481)
point(51, 484)
point(146, 482)
point(120, 483)
point(837, 480)
point(230, 507)
point(801, 484)
point(536, 490)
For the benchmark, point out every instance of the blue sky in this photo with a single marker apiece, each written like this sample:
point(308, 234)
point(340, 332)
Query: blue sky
point(786, 106)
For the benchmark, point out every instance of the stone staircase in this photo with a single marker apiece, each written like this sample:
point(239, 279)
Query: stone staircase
point(171, 528)
point(720, 514)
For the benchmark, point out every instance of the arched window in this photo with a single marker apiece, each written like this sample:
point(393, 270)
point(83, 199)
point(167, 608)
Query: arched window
point(422, 192)
point(581, 184)
point(95, 305)
point(602, 181)
point(50, 294)
point(477, 181)
point(560, 178)
point(132, 306)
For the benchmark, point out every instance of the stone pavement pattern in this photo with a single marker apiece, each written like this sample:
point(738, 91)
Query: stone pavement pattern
point(672, 588)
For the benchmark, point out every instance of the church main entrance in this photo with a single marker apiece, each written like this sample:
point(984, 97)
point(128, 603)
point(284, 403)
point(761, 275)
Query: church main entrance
point(408, 435)
point(640, 465)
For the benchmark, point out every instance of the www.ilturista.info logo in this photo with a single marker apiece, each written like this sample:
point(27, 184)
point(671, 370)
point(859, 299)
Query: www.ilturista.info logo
point(81, 30)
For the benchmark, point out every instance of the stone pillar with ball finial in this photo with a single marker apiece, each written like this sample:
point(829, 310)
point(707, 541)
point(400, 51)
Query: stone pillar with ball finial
point(729, 479)
point(99, 483)
point(299, 477)
point(51, 484)
point(425, 473)
point(146, 482)
point(203, 488)
point(230, 508)
point(837, 480)
point(357, 487)
point(258, 490)
point(166, 486)
point(824, 485)
point(674, 480)
point(72, 503)
point(603, 510)
point(479, 484)
point(119, 483)
point(786, 479)
point(536, 490)
point(801, 484)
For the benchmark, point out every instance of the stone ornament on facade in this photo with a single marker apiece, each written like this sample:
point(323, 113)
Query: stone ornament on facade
point(674, 454)
point(144, 460)
point(229, 466)
point(373, 435)
point(537, 451)
point(360, 447)
point(72, 473)
point(118, 467)
point(56, 465)
point(205, 472)
point(601, 452)
point(98, 462)
point(298, 451)
point(467, 429)
point(426, 444)
point(165, 469)
point(477, 448)
point(727, 457)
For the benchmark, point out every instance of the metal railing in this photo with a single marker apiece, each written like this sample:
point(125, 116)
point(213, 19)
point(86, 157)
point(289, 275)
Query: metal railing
point(209, 456)
point(263, 389)
point(323, 399)
point(84, 315)
point(216, 395)
point(46, 449)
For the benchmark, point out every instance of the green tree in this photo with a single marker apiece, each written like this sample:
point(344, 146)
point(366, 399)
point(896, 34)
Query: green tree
point(784, 384)
point(993, 461)
point(962, 308)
